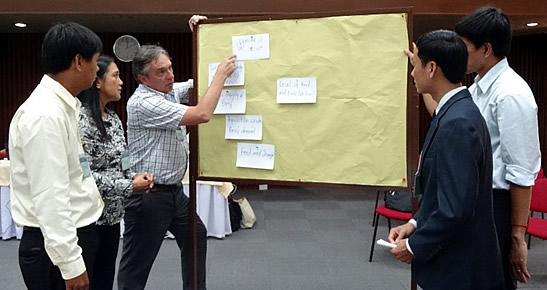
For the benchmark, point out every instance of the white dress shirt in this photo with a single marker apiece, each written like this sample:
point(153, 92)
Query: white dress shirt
point(508, 106)
point(48, 189)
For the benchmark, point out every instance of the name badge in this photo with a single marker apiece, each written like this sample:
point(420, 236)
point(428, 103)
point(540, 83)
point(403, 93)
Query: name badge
point(181, 134)
point(125, 160)
point(86, 171)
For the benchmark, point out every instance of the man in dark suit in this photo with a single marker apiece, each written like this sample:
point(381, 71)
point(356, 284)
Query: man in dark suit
point(451, 240)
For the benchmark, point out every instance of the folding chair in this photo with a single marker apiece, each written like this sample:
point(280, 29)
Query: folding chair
point(390, 214)
point(537, 227)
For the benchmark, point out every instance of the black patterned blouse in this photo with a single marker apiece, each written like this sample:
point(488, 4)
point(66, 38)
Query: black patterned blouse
point(105, 161)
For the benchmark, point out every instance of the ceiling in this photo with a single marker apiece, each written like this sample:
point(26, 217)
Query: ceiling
point(170, 23)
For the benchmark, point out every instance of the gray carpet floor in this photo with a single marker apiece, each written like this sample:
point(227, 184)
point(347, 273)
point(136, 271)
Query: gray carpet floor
point(304, 238)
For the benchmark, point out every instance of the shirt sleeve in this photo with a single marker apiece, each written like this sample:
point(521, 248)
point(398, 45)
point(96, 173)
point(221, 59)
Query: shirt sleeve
point(408, 247)
point(414, 223)
point(44, 149)
point(519, 139)
point(110, 187)
point(182, 90)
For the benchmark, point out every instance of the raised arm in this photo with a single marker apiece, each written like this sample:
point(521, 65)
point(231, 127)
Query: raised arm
point(202, 112)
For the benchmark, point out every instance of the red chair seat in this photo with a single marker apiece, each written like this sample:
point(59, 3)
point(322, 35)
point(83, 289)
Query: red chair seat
point(393, 214)
point(540, 174)
point(537, 227)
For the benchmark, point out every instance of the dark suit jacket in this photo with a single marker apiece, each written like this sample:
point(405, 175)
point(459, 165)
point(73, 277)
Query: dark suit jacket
point(455, 242)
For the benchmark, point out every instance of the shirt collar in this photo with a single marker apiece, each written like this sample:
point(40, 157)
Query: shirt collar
point(447, 97)
point(61, 92)
point(488, 79)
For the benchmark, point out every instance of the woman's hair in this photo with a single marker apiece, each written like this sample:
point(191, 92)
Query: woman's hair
point(90, 98)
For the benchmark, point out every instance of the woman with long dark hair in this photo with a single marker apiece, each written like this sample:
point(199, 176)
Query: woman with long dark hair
point(103, 140)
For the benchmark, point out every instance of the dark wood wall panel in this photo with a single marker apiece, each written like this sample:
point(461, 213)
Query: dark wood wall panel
point(20, 69)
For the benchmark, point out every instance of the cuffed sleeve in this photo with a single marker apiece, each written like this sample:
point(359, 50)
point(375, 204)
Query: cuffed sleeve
point(519, 141)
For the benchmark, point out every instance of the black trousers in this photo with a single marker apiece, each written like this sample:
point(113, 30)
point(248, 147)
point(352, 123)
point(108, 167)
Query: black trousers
point(502, 218)
point(147, 218)
point(38, 271)
point(108, 239)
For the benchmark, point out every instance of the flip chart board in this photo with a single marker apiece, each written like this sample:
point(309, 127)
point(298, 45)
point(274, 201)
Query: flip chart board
point(343, 80)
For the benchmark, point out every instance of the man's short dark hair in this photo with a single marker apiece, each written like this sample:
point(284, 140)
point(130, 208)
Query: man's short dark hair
point(487, 25)
point(447, 49)
point(63, 42)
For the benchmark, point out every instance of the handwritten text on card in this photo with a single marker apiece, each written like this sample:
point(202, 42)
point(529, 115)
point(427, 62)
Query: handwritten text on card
point(243, 127)
point(260, 156)
point(237, 78)
point(296, 90)
point(231, 102)
point(247, 47)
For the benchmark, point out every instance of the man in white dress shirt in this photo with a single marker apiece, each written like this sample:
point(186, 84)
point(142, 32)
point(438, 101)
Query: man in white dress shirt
point(508, 106)
point(53, 194)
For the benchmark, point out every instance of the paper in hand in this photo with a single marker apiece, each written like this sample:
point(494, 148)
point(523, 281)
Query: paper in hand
point(381, 242)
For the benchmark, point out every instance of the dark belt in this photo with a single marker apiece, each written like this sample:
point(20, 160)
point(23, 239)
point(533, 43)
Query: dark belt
point(165, 187)
point(501, 191)
point(36, 229)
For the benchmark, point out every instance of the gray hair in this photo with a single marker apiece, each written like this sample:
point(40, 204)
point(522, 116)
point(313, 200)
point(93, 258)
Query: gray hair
point(144, 56)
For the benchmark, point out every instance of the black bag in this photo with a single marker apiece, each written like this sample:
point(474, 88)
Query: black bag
point(399, 200)
point(235, 214)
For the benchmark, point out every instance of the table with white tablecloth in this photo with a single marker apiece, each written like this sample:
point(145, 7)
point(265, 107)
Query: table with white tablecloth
point(8, 229)
point(211, 204)
point(212, 208)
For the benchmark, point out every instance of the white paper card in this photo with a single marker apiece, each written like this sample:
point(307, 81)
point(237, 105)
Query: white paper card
point(296, 90)
point(243, 127)
point(247, 47)
point(237, 78)
point(259, 156)
point(385, 243)
point(231, 102)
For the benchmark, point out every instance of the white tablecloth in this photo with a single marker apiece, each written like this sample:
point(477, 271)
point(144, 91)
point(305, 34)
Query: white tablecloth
point(8, 229)
point(4, 173)
point(213, 210)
